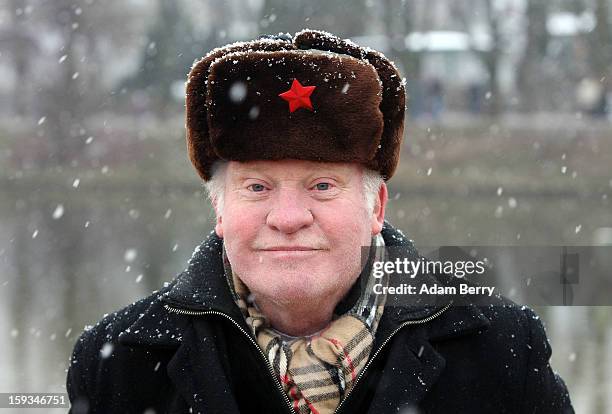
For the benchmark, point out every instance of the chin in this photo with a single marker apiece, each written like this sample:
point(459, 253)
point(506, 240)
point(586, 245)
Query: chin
point(298, 296)
point(293, 287)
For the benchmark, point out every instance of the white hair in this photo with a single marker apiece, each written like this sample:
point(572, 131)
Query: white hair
point(372, 180)
point(215, 187)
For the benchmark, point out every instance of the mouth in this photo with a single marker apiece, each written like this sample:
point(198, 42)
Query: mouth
point(289, 249)
point(289, 252)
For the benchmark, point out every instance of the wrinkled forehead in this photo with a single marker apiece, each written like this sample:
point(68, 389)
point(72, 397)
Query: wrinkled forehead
point(294, 169)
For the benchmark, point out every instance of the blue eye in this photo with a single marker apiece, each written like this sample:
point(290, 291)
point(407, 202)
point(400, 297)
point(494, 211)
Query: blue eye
point(322, 186)
point(257, 187)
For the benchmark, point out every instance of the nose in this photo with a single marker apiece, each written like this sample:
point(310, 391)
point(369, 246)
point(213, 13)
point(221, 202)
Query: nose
point(289, 212)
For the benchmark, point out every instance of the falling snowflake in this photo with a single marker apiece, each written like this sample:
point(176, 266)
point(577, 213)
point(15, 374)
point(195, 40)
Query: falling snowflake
point(58, 212)
point(238, 92)
point(499, 211)
point(130, 255)
point(254, 113)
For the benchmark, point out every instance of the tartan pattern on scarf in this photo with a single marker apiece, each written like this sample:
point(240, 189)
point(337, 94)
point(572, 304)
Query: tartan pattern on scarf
point(318, 370)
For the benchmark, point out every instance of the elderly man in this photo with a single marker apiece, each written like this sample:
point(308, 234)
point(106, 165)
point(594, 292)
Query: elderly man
point(275, 313)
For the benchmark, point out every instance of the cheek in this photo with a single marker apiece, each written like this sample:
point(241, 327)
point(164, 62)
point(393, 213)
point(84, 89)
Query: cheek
point(240, 226)
point(352, 228)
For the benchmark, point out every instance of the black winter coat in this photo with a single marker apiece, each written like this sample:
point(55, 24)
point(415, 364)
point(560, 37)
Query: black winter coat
point(187, 349)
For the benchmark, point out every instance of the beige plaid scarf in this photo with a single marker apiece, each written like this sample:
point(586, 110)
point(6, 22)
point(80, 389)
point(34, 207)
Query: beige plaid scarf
point(318, 370)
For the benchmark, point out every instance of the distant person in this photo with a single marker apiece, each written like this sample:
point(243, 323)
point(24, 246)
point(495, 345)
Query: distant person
point(436, 98)
point(601, 108)
point(474, 98)
point(591, 97)
point(295, 138)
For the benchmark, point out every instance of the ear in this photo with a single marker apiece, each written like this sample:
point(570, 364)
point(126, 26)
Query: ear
point(378, 214)
point(219, 220)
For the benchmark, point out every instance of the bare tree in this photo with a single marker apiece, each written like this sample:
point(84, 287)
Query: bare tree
point(167, 55)
point(59, 53)
point(464, 13)
point(399, 20)
point(601, 43)
point(530, 67)
point(22, 46)
point(491, 58)
point(345, 19)
point(60, 100)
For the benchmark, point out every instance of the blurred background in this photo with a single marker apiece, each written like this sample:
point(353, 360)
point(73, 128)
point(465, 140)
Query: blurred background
point(508, 141)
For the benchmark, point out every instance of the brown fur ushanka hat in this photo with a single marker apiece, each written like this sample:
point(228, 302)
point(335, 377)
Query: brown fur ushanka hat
point(316, 97)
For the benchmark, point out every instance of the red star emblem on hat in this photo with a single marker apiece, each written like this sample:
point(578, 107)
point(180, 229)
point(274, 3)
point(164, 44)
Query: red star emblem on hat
point(298, 96)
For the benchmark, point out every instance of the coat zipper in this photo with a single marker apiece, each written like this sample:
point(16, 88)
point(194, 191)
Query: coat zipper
point(271, 369)
point(405, 323)
point(246, 334)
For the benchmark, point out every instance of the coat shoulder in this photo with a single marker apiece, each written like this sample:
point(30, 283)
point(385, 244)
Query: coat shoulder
point(512, 346)
point(543, 389)
point(99, 350)
point(107, 329)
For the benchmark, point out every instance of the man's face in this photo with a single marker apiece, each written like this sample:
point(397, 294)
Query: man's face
point(293, 230)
